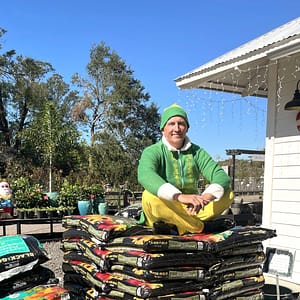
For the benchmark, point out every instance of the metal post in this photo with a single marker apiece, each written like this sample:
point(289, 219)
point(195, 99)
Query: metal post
point(233, 172)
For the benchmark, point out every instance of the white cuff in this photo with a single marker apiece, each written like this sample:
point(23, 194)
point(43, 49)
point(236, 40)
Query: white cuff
point(167, 191)
point(215, 189)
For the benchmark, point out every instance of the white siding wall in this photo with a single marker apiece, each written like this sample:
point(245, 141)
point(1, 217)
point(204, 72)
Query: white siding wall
point(282, 165)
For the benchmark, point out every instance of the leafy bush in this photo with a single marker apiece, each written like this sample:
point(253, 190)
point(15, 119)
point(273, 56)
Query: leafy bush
point(68, 194)
point(27, 195)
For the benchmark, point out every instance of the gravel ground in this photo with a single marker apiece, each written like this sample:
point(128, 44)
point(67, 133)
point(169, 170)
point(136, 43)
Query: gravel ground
point(56, 259)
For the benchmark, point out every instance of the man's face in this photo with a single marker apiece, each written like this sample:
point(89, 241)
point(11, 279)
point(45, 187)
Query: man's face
point(175, 131)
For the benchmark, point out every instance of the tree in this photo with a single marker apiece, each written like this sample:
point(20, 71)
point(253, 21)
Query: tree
point(38, 112)
point(6, 62)
point(22, 95)
point(27, 117)
point(52, 134)
point(113, 108)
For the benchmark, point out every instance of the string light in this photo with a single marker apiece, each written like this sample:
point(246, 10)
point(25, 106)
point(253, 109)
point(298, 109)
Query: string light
point(212, 105)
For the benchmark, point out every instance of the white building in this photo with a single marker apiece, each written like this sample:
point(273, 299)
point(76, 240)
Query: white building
point(269, 67)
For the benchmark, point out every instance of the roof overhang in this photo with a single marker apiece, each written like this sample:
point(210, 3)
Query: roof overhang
point(244, 70)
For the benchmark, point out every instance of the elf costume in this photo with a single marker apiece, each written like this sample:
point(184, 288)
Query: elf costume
point(164, 171)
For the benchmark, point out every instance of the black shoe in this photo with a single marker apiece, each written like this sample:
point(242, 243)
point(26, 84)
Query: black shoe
point(160, 227)
point(218, 225)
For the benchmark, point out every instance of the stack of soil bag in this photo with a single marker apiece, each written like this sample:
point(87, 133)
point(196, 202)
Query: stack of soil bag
point(110, 257)
point(22, 275)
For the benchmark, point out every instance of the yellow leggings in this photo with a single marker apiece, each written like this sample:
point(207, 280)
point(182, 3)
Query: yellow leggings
point(174, 212)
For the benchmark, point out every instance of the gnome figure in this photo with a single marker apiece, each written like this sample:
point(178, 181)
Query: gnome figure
point(6, 200)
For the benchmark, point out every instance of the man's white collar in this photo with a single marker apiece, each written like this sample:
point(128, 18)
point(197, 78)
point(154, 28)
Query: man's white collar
point(187, 144)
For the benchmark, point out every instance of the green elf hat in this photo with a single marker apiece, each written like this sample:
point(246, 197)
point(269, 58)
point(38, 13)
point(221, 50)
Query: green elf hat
point(172, 111)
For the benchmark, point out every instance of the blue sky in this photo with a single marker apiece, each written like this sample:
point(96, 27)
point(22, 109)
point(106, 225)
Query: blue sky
point(160, 40)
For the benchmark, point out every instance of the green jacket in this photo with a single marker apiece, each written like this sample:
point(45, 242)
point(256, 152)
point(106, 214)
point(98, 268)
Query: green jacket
point(180, 168)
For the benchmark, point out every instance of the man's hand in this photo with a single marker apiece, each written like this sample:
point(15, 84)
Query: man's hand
point(194, 202)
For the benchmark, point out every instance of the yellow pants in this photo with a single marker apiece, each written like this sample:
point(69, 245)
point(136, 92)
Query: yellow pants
point(174, 212)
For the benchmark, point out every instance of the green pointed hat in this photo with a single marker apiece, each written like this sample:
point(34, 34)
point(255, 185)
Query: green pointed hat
point(172, 111)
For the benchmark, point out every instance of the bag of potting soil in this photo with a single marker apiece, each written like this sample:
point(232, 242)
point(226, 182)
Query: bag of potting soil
point(106, 227)
point(236, 288)
point(164, 274)
point(41, 292)
point(194, 295)
point(238, 262)
point(72, 233)
point(90, 273)
point(209, 242)
point(38, 276)
point(144, 289)
point(19, 254)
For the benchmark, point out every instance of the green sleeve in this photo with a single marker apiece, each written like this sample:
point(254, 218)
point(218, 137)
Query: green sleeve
point(150, 166)
point(211, 170)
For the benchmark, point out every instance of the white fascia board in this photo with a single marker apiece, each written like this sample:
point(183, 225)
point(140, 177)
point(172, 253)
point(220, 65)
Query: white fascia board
point(284, 50)
point(207, 75)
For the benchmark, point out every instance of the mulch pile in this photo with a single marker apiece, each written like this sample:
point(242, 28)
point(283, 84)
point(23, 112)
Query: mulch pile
point(110, 257)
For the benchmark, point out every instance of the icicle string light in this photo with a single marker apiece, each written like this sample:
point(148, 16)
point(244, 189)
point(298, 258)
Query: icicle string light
point(214, 103)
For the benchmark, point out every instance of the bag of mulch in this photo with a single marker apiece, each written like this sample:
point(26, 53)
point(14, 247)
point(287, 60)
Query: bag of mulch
point(237, 262)
point(148, 261)
point(251, 295)
point(76, 279)
point(186, 273)
point(163, 274)
point(19, 254)
point(237, 288)
point(70, 244)
point(241, 250)
point(38, 276)
point(106, 227)
point(71, 221)
point(222, 276)
point(79, 292)
point(73, 233)
point(41, 292)
point(240, 236)
point(208, 242)
point(144, 289)
point(78, 287)
point(194, 295)
point(199, 295)
point(90, 273)
point(91, 251)
point(77, 255)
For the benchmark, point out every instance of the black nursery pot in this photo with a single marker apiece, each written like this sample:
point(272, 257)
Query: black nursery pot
point(270, 293)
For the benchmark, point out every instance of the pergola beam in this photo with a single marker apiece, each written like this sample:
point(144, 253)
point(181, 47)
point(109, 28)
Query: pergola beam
point(235, 152)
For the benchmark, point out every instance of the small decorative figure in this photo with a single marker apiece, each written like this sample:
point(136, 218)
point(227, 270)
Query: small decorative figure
point(6, 200)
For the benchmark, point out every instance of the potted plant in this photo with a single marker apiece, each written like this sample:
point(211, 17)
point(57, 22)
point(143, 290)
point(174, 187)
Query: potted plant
point(29, 198)
point(41, 201)
point(68, 196)
point(22, 201)
point(84, 201)
point(97, 197)
point(20, 188)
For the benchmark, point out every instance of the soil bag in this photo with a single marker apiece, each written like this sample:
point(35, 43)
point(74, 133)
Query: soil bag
point(41, 292)
point(211, 242)
point(105, 227)
point(19, 254)
point(38, 276)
